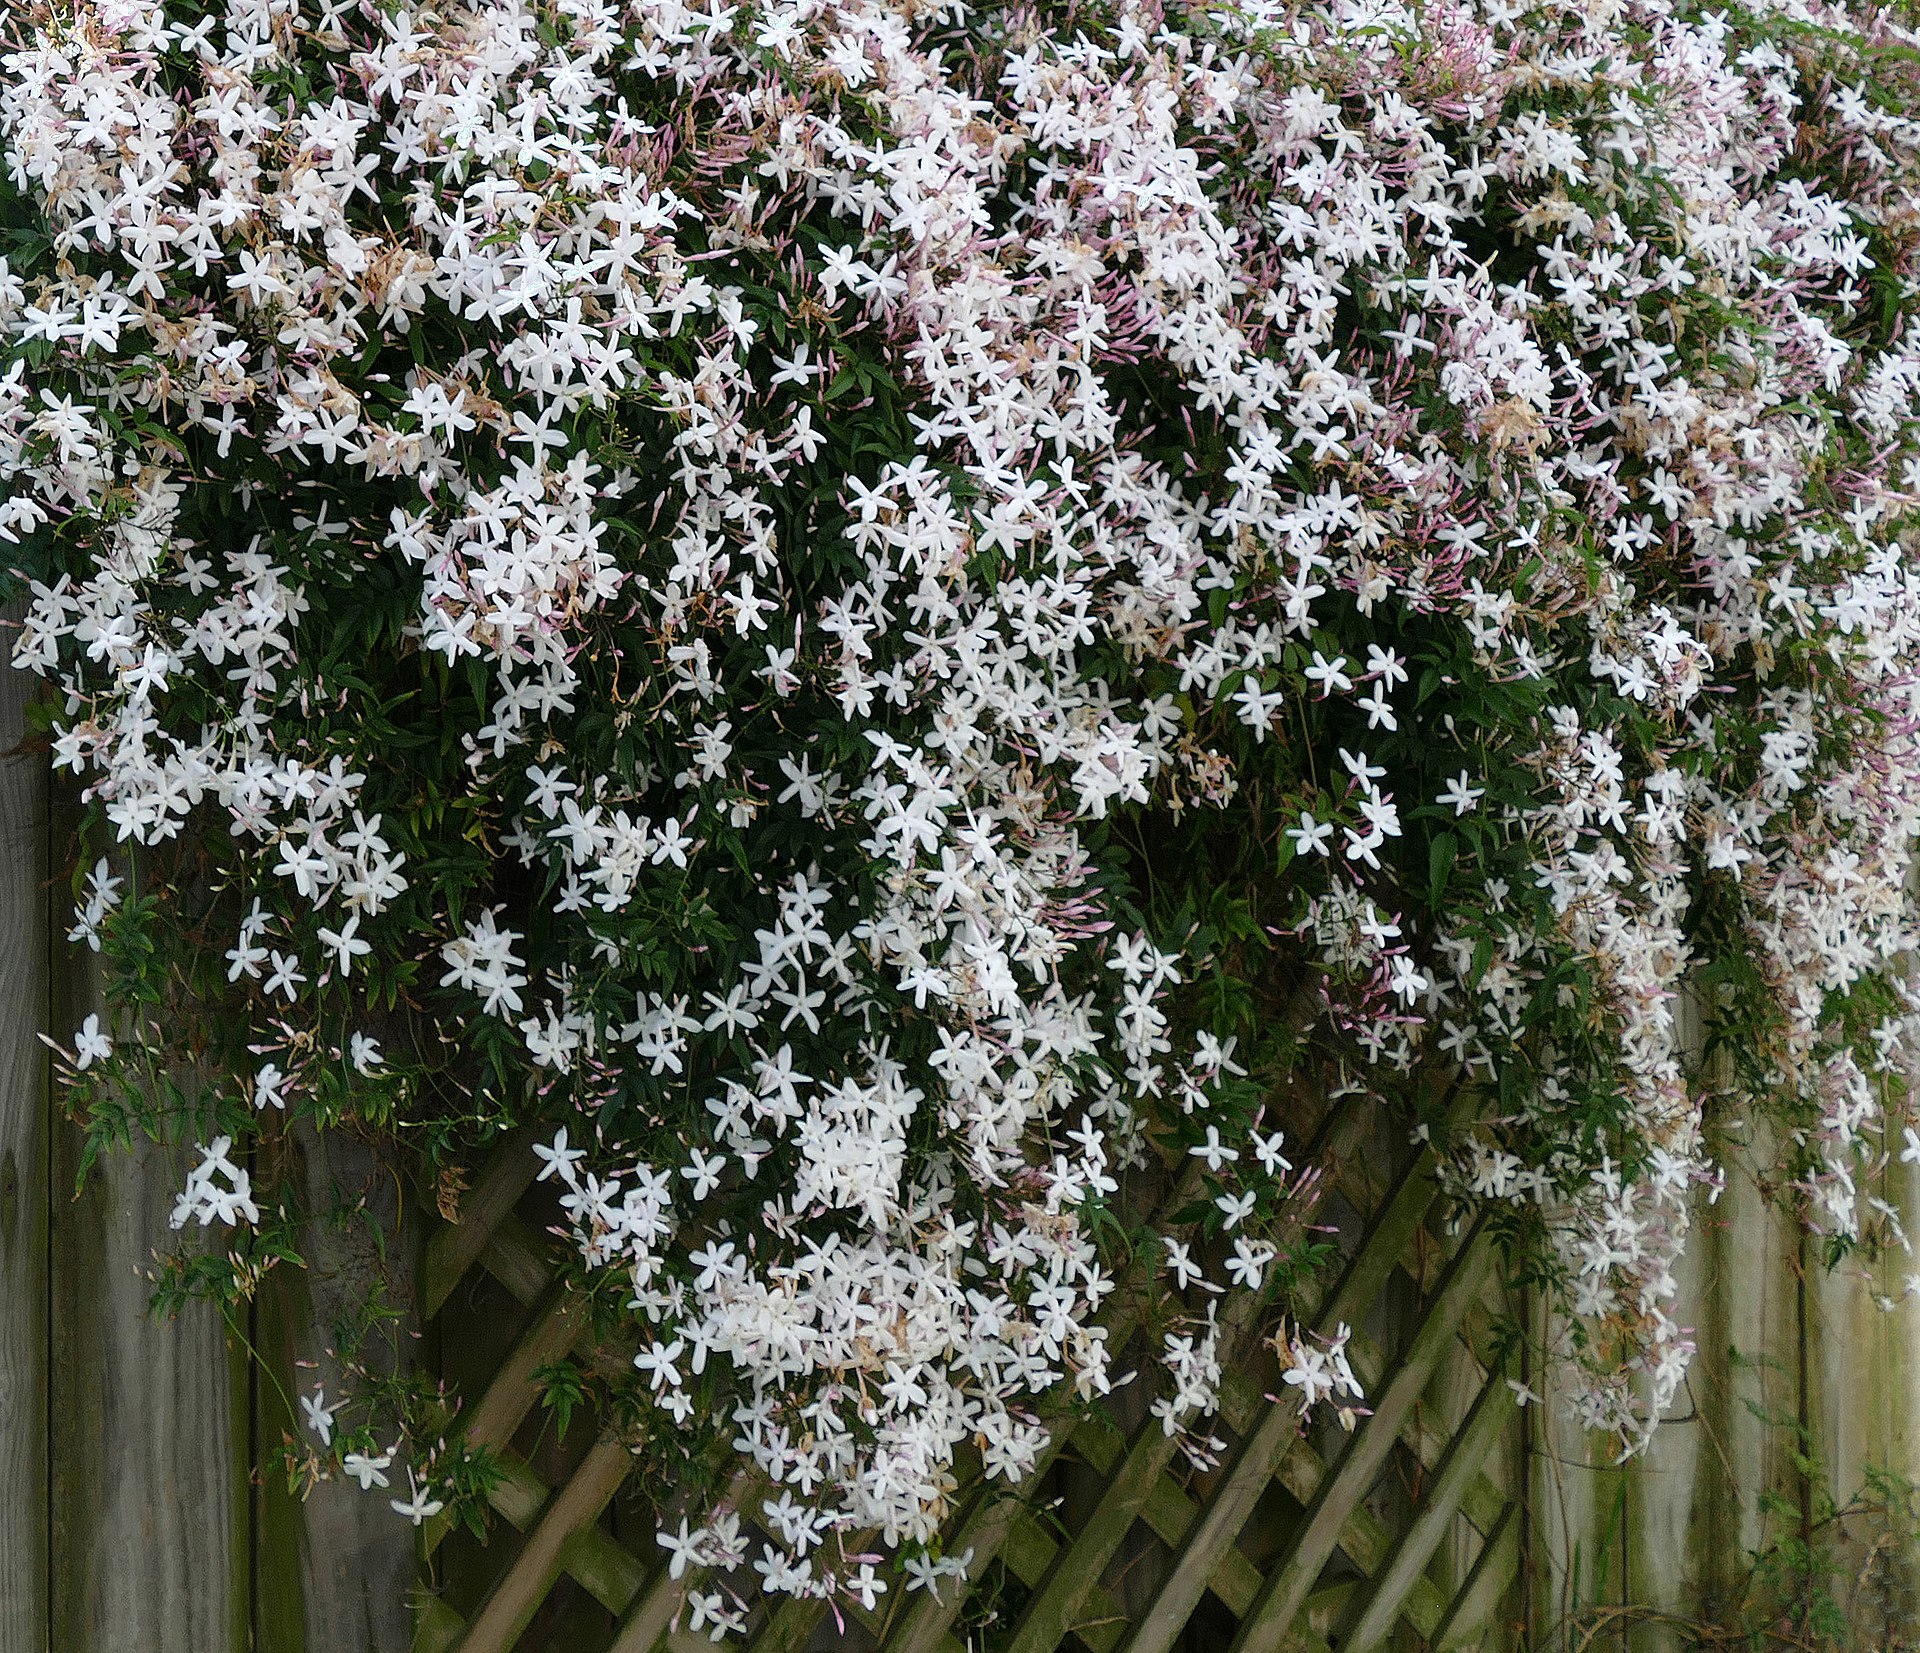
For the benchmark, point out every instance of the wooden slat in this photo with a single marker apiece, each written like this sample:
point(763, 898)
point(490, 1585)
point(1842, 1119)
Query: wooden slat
point(493, 1235)
point(1492, 1411)
point(1260, 1454)
point(519, 1494)
point(985, 1528)
point(1242, 1403)
point(1072, 1580)
point(789, 1626)
point(457, 1246)
point(991, 1515)
point(648, 1619)
point(1286, 1590)
point(148, 1498)
point(510, 1396)
point(513, 1391)
point(24, 1332)
point(333, 1568)
point(987, 1521)
point(1170, 1513)
point(1482, 1502)
point(606, 1570)
point(1131, 1486)
point(516, 1597)
point(609, 1572)
point(515, 1256)
point(988, 1517)
point(1077, 1572)
point(1364, 1539)
point(1486, 1582)
point(437, 1627)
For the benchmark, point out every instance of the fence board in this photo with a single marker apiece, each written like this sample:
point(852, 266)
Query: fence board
point(1260, 1456)
point(335, 1568)
point(146, 1521)
point(144, 1551)
point(136, 1488)
point(1674, 1528)
point(139, 1522)
point(1272, 1615)
point(1464, 1455)
point(1862, 1398)
point(1693, 1514)
point(23, 1181)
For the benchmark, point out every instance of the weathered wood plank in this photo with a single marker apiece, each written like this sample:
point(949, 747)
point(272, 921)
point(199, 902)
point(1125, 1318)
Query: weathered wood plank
point(1486, 1582)
point(1415, 1547)
point(1576, 1500)
point(1074, 1578)
point(1862, 1403)
point(1673, 1528)
point(148, 1527)
point(24, 1375)
point(143, 1497)
point(517, 1596)
point(336, 1569)
point(1255, 1464)
point(1286, 1591)
point(457, 1246)
point(658, 1606)
point(493, 1419)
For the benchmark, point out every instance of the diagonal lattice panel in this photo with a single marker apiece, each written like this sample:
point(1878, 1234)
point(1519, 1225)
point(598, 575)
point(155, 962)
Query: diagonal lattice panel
point(1345, 1573)
point(1393, 1585)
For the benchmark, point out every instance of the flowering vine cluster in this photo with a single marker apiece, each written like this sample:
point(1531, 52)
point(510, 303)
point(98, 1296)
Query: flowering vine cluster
point(844, 601)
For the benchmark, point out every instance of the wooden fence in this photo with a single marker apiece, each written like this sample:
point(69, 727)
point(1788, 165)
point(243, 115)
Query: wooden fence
point(135, 1517)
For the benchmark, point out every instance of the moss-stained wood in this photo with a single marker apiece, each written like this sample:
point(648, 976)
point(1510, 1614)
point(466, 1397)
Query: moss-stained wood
point(24, 1371)
point(334, 1568)
point(149, 1530)
point(518, 1594)
point(1670, 1530)
point(1260, 1456)
point(1287, 1588)
point(1491, 1413)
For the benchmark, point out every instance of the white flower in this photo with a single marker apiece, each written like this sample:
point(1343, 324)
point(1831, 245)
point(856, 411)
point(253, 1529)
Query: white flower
point(1329, 675)
point(683, 1548)
point(367, 1471)
point(1310, 836)
point(1461, 796)
point(1248, 1265)
point(217, 1190)
point(483, 962)
point(90, 1045)
point(345, 944)
point(418, 1506)
point(1213, 1151)
point(559, 1159)
point(319, 1415)
point(1180, 1264)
